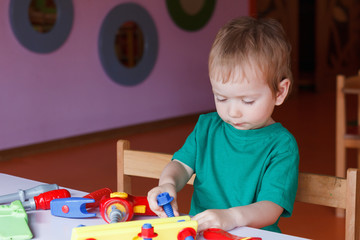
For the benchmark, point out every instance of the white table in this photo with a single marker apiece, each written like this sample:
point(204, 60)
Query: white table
point(47, 227)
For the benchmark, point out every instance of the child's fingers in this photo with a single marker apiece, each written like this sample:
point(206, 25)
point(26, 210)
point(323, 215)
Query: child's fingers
point(204, 222)
point(152, 194)
point(214, 218)
point(153, 202)
point(156, 209)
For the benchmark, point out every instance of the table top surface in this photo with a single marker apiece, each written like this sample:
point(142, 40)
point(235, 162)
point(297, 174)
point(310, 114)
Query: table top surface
point(46, 226)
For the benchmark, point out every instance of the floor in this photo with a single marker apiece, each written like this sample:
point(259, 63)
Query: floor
point(308, 115)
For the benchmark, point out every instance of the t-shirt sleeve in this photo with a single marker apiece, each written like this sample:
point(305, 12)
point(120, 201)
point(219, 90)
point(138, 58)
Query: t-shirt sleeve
point(187, 153)
point(279, 183)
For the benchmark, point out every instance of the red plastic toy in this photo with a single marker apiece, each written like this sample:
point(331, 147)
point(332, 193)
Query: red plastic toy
point(187, 234)
point(98, 195)
point(121, 207)
point(219, 234)
point(147, 231)
point(42, 201)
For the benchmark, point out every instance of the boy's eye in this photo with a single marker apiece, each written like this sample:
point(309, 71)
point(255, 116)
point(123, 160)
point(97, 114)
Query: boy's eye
point(220, 99)
point(248, 102)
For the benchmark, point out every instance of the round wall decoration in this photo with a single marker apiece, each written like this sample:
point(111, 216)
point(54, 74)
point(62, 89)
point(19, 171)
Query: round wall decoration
point(122, 15)
point(30, 37)
point(187, 21)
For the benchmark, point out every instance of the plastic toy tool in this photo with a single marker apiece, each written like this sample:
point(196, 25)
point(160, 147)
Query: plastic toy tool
point(98, 195)
point(23, 195)
point(42, 201)
point(74, 207)
point(219, 234)
point(14, 222)
point(147, 232)
point(121, 207)
point(164, 200)
point(174, 228)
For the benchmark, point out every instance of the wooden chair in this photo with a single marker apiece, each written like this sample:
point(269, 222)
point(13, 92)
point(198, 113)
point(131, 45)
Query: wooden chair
point(318, 189)
point(344, 139)
point(139, 164)
point(337, 192)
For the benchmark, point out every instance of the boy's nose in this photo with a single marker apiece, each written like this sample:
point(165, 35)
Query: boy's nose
point(234, 111)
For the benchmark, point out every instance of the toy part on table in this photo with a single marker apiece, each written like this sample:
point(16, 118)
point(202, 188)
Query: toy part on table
point(121, 207)
point(165, 228)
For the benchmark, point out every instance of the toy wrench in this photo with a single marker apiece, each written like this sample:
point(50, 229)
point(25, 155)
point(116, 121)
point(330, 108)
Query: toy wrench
point(219, 234)
point(73, 207)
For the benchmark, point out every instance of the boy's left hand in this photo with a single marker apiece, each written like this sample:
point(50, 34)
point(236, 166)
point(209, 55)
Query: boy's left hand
point(257, 215)
point(215, 218)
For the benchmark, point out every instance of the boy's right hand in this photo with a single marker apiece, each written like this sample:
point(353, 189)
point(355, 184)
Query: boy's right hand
point(152, 195)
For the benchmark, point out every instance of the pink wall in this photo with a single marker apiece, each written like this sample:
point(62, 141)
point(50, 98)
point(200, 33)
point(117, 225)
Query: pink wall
point(67, 93)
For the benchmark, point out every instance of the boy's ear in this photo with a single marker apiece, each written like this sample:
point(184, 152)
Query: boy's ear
point(281, 95)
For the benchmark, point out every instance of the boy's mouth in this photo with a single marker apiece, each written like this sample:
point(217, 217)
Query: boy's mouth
point(238, 125)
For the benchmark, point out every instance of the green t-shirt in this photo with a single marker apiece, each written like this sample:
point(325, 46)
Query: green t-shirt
point(239, 167)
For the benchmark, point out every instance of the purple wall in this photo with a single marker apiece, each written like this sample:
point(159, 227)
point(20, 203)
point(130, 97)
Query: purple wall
point(67, 93)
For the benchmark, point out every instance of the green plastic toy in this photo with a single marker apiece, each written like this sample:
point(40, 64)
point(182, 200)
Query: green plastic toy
point(14, 222)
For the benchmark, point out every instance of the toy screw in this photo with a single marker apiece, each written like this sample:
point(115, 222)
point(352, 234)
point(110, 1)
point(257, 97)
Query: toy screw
point(164, 201)
point(115, 215)
point(147, 232)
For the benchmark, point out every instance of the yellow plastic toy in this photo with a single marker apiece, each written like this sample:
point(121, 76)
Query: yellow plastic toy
point(163, 229)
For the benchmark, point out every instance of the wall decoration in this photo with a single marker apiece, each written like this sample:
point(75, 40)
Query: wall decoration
point(42, 15)
point(190, 21)
point(67, 93)
point(129, 44)
point(120, 15)
point(29, 34)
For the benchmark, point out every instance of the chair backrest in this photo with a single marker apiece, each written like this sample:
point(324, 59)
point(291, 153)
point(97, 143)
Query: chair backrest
point(318, 189)
point(345, 85)
point(139, 164)
point(334, 192)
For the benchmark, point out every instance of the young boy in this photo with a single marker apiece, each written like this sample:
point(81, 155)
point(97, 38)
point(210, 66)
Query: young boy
point(246, 164)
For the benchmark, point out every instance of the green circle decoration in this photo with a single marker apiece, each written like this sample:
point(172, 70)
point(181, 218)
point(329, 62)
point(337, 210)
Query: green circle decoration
point(190, 22)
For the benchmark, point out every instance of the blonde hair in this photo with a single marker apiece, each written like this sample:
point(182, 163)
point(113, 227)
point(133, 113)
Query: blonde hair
point(258, 44)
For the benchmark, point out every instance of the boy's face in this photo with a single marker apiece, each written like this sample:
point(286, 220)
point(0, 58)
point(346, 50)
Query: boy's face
point(246, 103)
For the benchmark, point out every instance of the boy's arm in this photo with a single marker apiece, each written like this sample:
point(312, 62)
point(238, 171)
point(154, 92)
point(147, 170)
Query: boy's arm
point(176, 173)
point(173, 178)
point(257, 215)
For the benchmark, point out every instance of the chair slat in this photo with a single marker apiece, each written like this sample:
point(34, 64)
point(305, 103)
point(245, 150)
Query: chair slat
point(352, 85)
point(146, 164)
point(323, 190)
